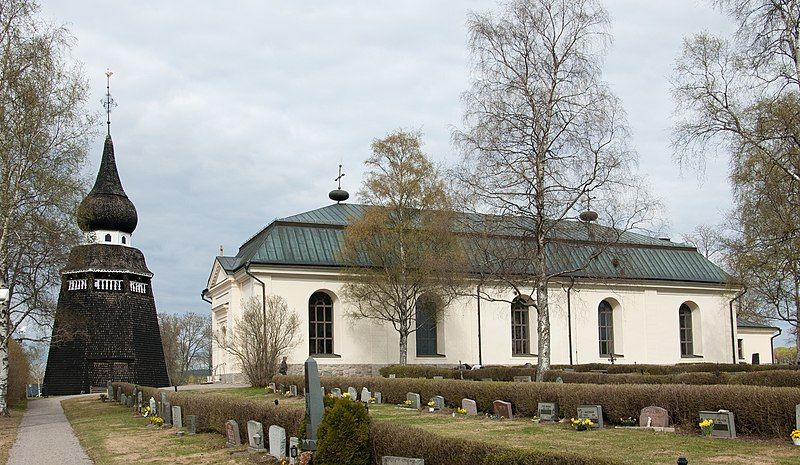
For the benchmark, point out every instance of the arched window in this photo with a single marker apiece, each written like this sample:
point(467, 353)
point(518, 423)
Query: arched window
point(685, 324)
point(605, 324)
point(426, 326)
point(520, 327)
point(108, 237)
point(320, 324)
point(123, 239)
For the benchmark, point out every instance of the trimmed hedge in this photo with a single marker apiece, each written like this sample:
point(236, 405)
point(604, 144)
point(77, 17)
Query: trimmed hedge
point(781, 376)
point(406, 441)
point(214, 409)
point(760, 411)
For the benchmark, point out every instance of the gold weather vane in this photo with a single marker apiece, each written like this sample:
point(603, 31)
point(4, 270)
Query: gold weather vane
point(109, 102)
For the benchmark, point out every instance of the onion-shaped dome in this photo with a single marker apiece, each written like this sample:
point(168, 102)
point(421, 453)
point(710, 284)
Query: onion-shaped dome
point(338, 195)
point(107, 207)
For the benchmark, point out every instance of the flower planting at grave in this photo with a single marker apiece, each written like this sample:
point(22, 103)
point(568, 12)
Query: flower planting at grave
point(795, 437)
point(461, 411)
point(156, 421)
point(581, 424)
point(372, 400)
point(628, 421)
point(288, 394)
point(406, 403)
point(146, 411)
point(346, 395)
point(431, 404)
point(706, 426)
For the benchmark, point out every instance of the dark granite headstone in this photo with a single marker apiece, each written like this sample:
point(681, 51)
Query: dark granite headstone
point(724, 424)
point(232, 434)
point(315, 409)
point(191, 424)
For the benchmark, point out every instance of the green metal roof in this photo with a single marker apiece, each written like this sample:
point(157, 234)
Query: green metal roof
point(313, 238)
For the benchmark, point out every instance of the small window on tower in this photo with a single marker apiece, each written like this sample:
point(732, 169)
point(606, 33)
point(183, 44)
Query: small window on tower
point(108, 237)
point(123, 239)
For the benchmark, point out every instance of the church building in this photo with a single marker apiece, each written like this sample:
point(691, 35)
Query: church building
point(644, 301)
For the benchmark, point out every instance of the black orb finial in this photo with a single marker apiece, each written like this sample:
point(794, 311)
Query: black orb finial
point(339, 195)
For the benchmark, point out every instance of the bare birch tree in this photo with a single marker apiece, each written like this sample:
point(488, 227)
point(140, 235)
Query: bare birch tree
point(544, 134)
point(258, 339)
point(43, 135)
point(186, 339)
point(403, 256)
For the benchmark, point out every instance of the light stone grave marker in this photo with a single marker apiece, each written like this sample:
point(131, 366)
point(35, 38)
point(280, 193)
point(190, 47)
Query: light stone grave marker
point(439, 401)
point(110, 391)
point(548, 411)
point(336, 392)
point(322, 388)
point(378, 397)
point(592, 412)
point(232, 434)
point(365, 395)
point(655, 417)
point(255, 436)
point(293, 389)
point(559, 380)
point(139, 401)
point(177, 418)
point(153, 407)
point(277, 442)
point(503, 409)
point(392, 376)
point(797, 416)
point(353, 393)
point(470, 406)
point(415, 401)
point(724, 424)
point(273, 387)
point(438, 377)
point(389, 460)
point(522, 379)
point(191, 424)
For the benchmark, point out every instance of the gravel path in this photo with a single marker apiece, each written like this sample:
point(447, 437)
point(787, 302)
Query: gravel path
point(45, 437)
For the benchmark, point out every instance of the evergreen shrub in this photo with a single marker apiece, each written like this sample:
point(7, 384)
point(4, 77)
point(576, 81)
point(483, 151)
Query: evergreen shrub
point(343, 434)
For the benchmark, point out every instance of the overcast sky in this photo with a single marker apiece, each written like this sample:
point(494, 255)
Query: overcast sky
point(231, 114)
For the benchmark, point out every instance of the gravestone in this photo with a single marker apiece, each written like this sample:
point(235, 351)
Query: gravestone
point(281, 389)
point(232, 434)
point(166, 410)
point(470, 406)
point(153, 407)
point(653, 416)
point(548, 411)
point(139, 401)
point(559, 380)
point(273, 387)
point(110, 391)
point(123, 400)
point(191, 424)
point(119, 394)
point(322, 389)
point(415, 401)
point(724, 424)
point(336, 392)
point(129, 402)
point(365, 395)
point(378, 397)
point(392, 376)
point(487, 379)
point(592, 412)
point(315, 409)
point(177, 419)
point(439, 401)
point(294, 444)
point(438, 377)
point(164, 399)
point(503, 409)
point(522, 379)
point(389, 460)
point(293, 389)
point(277, 442)
point(353, 393)
point(255, 436)
point(797, 416)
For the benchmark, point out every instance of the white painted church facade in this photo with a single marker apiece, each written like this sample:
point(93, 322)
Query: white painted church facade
point(664, 304)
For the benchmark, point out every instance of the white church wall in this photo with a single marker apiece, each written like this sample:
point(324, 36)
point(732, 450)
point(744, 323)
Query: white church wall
point(645, 323)
point(756, 341)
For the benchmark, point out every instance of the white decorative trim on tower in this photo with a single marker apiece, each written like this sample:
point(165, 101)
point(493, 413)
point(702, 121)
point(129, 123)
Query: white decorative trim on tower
point(102, 236)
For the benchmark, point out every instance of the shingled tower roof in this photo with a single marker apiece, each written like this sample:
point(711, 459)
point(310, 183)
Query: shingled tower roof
point(107, 207)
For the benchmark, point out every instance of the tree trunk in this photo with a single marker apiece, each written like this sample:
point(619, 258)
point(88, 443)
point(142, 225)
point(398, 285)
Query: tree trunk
point(403, 348)
point(4, 338)
point(797, 346)
point(543, 322)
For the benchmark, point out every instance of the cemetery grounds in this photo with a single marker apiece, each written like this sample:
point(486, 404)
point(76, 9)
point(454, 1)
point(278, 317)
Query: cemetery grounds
point(110, 435)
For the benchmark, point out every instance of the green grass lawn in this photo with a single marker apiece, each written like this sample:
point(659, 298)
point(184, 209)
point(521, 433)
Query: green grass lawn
point(110, 434)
